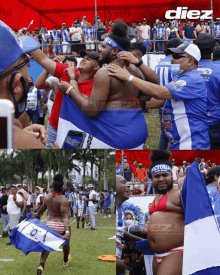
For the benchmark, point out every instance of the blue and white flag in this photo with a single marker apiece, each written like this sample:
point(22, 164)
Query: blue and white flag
point(33, 236)
point(120, 129)
point(202, 234)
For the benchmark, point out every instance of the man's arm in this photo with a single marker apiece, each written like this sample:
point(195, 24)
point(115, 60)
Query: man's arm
point(140, 32)
point(145, 87)
point(155, 103)
point(41, 82)
point(183, 33)
point(195, 35)
point(100, 91)
point(44, 61)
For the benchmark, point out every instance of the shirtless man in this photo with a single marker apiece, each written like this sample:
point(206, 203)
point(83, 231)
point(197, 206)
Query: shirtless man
point(58, 218)
point(14, 86)
point(165, 229)
point(109, 92)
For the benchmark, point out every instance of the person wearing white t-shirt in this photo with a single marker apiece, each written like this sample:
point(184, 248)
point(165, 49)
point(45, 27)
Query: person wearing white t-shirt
point(175, 170)
point(29, 203)
point(144, 34)
point(14, 205)
point(91, 205)
point(76, 38)
point(39, 199)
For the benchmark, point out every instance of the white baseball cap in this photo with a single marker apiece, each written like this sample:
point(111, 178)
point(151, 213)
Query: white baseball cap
point(191, 49)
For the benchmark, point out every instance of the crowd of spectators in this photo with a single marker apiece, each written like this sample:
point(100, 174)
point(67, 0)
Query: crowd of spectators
point(139, 177)
point(89, 35)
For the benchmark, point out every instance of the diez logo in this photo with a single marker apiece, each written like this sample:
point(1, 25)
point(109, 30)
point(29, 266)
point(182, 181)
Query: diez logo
point(183, 13)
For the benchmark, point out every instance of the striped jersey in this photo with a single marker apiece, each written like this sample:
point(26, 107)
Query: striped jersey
point(55, 36)
point(160, 32)
point(89, 34)
point(184, 116)
point(65, 35)
point(163, 70)
point(120, 226)
point(216, 29)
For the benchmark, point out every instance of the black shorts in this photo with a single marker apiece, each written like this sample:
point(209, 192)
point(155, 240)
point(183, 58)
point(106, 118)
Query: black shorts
point(77, 46)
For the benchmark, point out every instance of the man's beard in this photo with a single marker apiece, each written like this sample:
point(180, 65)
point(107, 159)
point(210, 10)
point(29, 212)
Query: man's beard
point(164, 191)
point(105, 60)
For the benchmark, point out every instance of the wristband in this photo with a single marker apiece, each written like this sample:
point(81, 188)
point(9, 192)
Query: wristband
point(68, 90)
point(73, 78)
point(139, 63)
point(130, 78)
point(67, 232)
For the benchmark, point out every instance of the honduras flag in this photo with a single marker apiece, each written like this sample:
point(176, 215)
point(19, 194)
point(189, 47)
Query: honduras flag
point(202, 234)
point(120, 129)
point(33, 236)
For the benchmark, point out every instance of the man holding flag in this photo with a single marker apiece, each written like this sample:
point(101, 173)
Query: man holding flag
point(58, 219)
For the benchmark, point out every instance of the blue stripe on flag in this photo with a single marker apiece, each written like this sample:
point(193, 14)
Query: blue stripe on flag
point(196, 200)
point(121, 129)
point(32, 236)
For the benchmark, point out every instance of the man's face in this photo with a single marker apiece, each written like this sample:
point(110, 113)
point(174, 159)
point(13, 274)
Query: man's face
point(13, 190)
point(188, 24)
point(105, 54)
point(116, 165)
point(87, 64)
point(163, 182)
point(54, 29)
point(37, 29)
point(202, 160)
point(89, 25)
point(144, 22)
point(64, 26)
point(160, 25)
point(75, 25)
point(183, 61)
point(140, 165)
point(125, 166)
point(100, 26)
point(217, 21)
point(173, 162)
point(134, 25)
point(37, 191)
point(122, 188)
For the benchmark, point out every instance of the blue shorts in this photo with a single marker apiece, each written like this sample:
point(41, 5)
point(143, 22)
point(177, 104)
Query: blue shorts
point(56, 48)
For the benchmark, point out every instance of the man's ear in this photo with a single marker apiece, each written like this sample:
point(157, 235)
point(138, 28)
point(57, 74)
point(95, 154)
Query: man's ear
point(115, 51)
point(216, 177)
point(17, 86)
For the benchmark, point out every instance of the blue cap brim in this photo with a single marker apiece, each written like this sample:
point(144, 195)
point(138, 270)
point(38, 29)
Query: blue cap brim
point(175, 50)
point(29, 44)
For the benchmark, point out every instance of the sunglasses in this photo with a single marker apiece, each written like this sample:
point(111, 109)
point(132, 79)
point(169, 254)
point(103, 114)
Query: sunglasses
point(178, 56)
point(26, 61)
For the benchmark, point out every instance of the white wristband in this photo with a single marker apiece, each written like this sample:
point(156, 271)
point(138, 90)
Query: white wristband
point(130, 78)
point(68, 90)
point(67, 232)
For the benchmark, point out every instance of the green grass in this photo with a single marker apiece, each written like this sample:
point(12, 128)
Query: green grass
point(153, 125)
point(85, 247)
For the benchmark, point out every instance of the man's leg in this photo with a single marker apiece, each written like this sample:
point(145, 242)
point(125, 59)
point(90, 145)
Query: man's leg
point(163, 140)
point(148, 188)
point(13, 221)
point(43, 259)
point(66, 255)
point(92, 216)
point(172, 264)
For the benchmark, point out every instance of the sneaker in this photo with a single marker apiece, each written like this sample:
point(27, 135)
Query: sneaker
point(40, 270)
point(104, 217)
point(100, 214)
point(95, 213)
point(92, 229)
point(109, 216)
point(67, 263)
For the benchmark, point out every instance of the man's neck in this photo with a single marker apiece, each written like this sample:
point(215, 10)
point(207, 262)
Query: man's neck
point(85, 76)
point(119, 202)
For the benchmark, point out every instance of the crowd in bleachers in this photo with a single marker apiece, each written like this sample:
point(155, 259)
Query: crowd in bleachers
point(89, 35)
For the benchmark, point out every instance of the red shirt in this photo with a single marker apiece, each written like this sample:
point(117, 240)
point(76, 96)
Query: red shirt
point(133, 169)
point(85, 87)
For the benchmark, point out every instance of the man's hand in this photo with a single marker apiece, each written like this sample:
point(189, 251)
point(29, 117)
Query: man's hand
point(38, 131)
point(63, 86)
point(66, 236)
point(59, 58)
point(117, 71)
point(71, 69)
point(128, 56)
point(14, 197)
point(54, 146)
point(4, 207)
point(120, 266)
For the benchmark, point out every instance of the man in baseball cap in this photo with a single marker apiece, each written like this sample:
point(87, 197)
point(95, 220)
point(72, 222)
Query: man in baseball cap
point(211, 73)
point(14, 84)
point(92, 205)
point(187, 48)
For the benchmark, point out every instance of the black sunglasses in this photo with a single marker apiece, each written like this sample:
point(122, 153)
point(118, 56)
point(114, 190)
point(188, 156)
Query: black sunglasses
point(26, 61)
point(178, 56)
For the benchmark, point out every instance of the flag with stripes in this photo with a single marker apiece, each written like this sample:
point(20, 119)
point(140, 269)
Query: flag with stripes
point(33, 236)
point(202, 234)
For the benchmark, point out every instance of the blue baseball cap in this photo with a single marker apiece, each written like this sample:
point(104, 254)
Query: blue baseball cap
point(13, 46)
point(84, 17)
point(90, 186)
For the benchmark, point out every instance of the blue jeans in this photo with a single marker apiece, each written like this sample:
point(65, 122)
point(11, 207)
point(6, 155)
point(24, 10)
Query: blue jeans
point(34, 116)
point(163, 140)
point(147, 43)
point(52, 136)
point(187, 40)
point(5, 222)
point(150, 184)
point(160, 46)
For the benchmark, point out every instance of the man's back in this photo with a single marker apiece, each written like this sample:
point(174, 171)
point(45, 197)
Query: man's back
point(53, 206)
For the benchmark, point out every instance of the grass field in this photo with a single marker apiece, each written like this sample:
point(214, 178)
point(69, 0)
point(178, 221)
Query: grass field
point(85, 247)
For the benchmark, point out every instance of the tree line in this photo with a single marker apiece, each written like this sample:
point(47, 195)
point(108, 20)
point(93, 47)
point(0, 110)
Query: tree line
point(17, 166)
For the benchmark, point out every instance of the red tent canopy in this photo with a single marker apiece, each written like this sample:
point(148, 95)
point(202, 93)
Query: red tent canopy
point(19, 13)
point(178, 155)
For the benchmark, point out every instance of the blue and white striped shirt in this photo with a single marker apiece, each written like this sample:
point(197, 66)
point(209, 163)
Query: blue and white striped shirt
point(89, 34)
point(65, 35)
point(120, 226)
point(216, 28)
point(160, 33)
